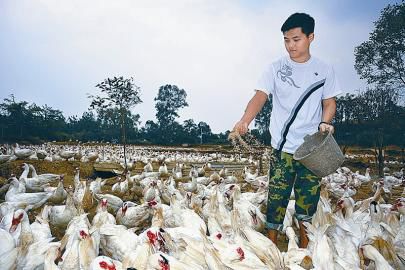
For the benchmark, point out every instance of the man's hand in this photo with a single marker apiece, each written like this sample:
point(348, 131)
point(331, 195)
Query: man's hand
point(241, 127)
point(325, 128)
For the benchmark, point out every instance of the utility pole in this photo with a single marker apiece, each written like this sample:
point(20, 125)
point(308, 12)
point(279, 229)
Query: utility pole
point(200, 135)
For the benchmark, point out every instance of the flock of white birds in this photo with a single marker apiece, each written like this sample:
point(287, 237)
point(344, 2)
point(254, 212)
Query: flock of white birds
point(189, 210)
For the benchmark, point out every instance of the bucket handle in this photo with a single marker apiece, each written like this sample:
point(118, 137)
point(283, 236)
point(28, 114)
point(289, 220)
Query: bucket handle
point(308, 135)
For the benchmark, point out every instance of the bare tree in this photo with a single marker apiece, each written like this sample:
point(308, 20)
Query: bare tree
point(117, 93)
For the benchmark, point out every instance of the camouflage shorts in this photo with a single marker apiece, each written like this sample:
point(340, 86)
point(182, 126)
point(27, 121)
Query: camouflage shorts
point(285, 174)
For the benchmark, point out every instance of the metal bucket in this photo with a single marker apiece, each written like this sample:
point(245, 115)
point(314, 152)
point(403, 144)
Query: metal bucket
point(320, 154)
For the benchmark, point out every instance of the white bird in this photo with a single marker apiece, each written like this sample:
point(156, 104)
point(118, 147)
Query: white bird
point(320, 246)
point(105, 263)
point(372, 253)
point(134, 216)
point(103, 217)
point(33, 200)
point(163, 169)
point(67, 154)
point(114, 202)
point(148, 167)
point(44, 178)
point(116, 241)
point(22, 153)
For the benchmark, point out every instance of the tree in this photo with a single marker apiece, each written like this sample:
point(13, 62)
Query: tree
point(168, 101)
point(262, 120)
point(119, 93)
point(381, 59)
point(204, 129)
point(16, 113)
point(191, 131)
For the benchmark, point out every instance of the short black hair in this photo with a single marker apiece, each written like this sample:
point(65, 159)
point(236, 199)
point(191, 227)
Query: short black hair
point(303, 20)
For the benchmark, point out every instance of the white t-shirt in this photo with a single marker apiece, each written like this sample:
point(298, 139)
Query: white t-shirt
point(298, 90)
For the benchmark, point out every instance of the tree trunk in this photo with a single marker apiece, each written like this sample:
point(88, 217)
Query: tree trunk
point(380, 161)
point(380, 153)
point(124, 139)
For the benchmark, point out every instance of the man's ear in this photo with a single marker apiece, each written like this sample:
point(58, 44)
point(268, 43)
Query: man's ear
point(311, 37)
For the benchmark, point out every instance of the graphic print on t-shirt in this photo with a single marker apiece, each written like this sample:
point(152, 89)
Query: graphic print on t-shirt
point(285, 74)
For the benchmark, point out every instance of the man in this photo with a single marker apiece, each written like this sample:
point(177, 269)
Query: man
point(304, 90)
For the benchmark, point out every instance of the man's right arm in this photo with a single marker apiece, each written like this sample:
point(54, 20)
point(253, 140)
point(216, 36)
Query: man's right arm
point(252, 109)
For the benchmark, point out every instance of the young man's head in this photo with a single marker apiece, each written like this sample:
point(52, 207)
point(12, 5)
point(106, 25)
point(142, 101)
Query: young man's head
point(298, 31)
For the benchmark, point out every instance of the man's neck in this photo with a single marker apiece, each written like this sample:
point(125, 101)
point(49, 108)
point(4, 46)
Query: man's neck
point(302, 59)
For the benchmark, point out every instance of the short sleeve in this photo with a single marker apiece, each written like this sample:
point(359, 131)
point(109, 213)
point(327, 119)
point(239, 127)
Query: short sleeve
point(266, 81)
point(331, 87)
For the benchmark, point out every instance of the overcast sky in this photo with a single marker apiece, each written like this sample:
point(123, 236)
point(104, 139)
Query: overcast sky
point(54, 52)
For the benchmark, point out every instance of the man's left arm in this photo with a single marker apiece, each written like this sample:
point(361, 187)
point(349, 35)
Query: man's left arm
point(328, 112)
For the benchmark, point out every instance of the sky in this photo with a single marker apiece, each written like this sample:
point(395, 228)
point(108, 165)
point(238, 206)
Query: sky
point(54, 52)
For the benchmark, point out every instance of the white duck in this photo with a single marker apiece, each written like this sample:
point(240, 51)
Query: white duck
point(59, 195)
point(320, 246)
point(67, 154)
point(148, 167)
point(249, 177)
point(40, 227)
point(163, 169)
point(159, 261)
point(121, 186)
point(294, 254)
point(32, 184)
point(52, 255)
point(134, 216)
point(4, 158)
point(114, 202)
point(33, 200)
point(103, 217)
point(7, 241)
point(96, 185)
point(372, 253)
point(223, 172)
point(116, 241)
point(138, 258)
point(44, 178)
point(80, 251)
point(22, 153)
point(61, 215)
point(31, 253)
point(201, 171)
point(177, 174)
point(250, 214)
point(186, 217)
point(34, 258)
point(265, 249)
point(105, 263)
point(362, 178)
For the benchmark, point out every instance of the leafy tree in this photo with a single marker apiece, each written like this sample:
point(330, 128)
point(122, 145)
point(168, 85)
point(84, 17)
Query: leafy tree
point(205, 132)
point(381, 59)
point(191, 131)
point(118, 93)
point(262, 120)
point(169, 100)
point(16, 113)
point(150, 131)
